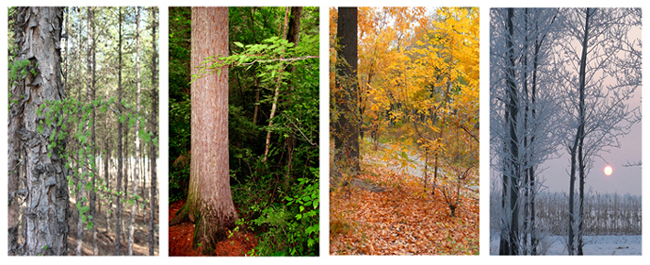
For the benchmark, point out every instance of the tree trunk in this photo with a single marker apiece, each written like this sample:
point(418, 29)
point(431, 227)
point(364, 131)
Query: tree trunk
point(276, 94)
point(209, 204)
point(154, 128)
point(293, 36)
point(118, 186)
point(346, 126)
point(581, 129)
point(107, 182)
point(136, 170)
point(512, 189)
point(37, 36)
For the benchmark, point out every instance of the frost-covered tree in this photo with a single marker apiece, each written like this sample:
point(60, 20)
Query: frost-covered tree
point(599, 64)
point(523, 118)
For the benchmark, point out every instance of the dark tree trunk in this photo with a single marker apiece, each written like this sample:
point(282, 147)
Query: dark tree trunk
point(346, 125)
point(153, 128)
point(514, 171)
point(581, 129)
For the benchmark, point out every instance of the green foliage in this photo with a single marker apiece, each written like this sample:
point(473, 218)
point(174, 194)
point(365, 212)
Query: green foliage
point(277, 199)
point(72, 111)
point(19, 69)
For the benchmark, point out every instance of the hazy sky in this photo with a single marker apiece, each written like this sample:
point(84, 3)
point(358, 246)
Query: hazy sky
point(623, 180)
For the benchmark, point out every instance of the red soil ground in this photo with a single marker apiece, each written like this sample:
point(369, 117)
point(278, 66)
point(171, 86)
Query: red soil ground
point(181, 238)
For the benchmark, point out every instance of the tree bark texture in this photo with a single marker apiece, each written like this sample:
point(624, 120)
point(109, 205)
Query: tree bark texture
point(153, 128)
point(209, 204)
point(37, 37)
point(346, 126)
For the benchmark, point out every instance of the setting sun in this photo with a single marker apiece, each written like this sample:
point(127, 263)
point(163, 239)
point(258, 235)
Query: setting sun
point(608, 170)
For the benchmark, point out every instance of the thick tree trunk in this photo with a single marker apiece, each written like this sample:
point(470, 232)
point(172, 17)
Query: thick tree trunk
point(346, 126)
point(136, 170)
point(209, 204)
point(37, 36)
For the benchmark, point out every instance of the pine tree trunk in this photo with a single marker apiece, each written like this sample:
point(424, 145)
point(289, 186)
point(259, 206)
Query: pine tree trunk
point(37, 37)
point(136, 170)
point(154, 129)
point(118, 186)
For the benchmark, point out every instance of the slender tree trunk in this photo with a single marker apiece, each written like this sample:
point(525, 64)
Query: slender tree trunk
point(581, 129)
point(107, 182)
point(91, 98)
point(293, 36)
point(118, 187)
point(276, 94)
point(136, 170)
point(513, 145)
point(37, 35)
point(154, 128)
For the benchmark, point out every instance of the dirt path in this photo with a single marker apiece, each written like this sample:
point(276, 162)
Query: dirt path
point(413, 165)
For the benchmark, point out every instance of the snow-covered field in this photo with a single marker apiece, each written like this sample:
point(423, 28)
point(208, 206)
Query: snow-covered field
point(594, 245)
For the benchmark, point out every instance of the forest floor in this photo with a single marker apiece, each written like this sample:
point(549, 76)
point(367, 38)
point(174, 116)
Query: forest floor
point(181, 239)
point(401, 220)
point(106, 238)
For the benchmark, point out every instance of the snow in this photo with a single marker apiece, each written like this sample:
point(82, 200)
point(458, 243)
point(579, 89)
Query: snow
point(594, 245)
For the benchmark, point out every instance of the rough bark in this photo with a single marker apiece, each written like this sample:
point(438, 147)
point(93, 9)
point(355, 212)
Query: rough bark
point(37, 37)
point(346, 125)
point(209, 204)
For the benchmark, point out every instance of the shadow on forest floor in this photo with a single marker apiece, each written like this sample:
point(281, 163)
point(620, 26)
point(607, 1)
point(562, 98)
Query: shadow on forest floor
point(106, 238)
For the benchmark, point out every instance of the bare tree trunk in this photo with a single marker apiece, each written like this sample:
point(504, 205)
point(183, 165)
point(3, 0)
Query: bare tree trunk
point(107, 180)
point(346, 127)
point(37, 35)
point(512, 187)
point(276, 94)
point(136, 170)
point(578, 148)
point(154, 129)
point(118, 187)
